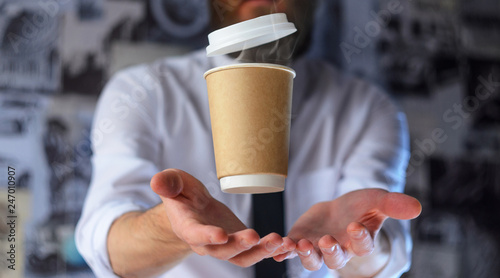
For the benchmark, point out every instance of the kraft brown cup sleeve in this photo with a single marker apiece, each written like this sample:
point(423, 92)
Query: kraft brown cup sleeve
point(250, 110)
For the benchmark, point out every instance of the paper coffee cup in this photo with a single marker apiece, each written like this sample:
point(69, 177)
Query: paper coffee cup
point(250, 108)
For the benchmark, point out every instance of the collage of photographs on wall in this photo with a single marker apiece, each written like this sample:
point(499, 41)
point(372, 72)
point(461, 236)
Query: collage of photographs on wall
point(57, 55)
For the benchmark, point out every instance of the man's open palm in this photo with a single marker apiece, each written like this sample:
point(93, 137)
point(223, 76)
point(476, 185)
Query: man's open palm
point(335, 231)
point(208, 226)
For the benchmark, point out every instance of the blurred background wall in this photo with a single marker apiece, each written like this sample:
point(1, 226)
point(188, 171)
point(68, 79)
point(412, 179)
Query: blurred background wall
point(439, 59)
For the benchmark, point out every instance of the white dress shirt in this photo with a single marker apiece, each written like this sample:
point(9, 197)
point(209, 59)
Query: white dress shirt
point(345, 135)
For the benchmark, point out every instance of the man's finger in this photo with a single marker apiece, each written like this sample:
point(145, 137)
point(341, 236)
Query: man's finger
point(236, 244)
point(361, 241)
point(287, 246)
point(171, 183)
point(167, 184)
point(333, 255)
point(400, 206)
point(264, 249)
point(284, 256)
point(309, 258)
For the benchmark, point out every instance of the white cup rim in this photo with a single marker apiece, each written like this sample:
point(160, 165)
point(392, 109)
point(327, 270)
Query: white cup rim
point(253, 183)
point(251, 65)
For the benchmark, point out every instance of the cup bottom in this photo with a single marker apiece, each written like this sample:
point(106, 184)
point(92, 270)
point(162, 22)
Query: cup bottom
point(253, 184)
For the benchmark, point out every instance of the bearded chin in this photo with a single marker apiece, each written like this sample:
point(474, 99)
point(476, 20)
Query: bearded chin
point(253, 9)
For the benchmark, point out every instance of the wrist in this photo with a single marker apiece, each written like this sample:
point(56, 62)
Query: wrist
point(160, 230)
point(151, 246)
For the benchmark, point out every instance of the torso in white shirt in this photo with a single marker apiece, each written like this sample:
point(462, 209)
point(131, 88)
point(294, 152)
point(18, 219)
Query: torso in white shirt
point(345, 135)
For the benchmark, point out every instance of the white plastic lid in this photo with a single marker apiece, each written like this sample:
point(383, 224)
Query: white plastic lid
point(250, 33)
point(253, 184)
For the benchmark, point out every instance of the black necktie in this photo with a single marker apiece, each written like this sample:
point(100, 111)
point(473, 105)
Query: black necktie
point(268, 217)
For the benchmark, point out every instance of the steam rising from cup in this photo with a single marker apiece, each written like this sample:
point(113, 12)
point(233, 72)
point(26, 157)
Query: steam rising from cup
point(277, 52)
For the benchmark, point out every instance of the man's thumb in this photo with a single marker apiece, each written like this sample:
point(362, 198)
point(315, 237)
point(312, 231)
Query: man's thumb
point(400, 206)
point(167, 183)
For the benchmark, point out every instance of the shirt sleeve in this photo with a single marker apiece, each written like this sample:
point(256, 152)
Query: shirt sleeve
point(381, 153)
point(126, 145)
point(379, 160)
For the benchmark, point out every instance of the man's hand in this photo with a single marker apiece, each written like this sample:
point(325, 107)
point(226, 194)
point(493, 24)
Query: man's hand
point(336, 231)
point(209, 227)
